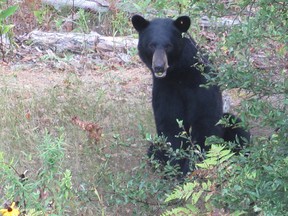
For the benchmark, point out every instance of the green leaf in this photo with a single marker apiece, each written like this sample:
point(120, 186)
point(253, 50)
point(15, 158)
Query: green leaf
point(207, 197)
point(192, 208)
point(8, 12)
point(196, 197)
point(5, 28)
point(225, 158)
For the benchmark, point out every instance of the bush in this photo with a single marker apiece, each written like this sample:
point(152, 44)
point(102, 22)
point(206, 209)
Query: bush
point(6, 34)
point(258, 183)
point(50, 188)
point(252, 58)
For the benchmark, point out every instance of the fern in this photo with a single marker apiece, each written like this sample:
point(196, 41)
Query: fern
point(194, 192)
point(183, 192)
point(216, 156)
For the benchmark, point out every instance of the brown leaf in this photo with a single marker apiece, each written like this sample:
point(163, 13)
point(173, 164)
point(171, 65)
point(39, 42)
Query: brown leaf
point(28, 115)
point(94, 130)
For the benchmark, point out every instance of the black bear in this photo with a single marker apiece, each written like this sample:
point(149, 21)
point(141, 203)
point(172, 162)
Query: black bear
point(177, 92)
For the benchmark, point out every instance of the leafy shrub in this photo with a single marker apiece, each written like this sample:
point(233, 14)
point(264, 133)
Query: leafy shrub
point(256, 52)
point(197, 194)
point(250, 57)
point(5, 28)
point(258, 183)
point(48, 191)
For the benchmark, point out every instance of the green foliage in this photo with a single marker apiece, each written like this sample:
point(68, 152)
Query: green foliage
point(250, 56)
point(194, 152)
point(258, 183)
point(40, 15)
point(119, 23)
point(49, 190)
point(83, 21)
point(183, 192)
point(4, 14)
point(51, 152)
point(217, 155)
point(5, 27)
point(162, 8)
point(198, 192)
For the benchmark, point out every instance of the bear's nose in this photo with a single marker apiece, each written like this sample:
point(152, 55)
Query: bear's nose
point(159, 63)
point(159, 71)
point(159, 68)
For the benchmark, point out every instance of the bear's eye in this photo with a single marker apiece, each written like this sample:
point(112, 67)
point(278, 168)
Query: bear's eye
point(152, 46)
point(168, 47)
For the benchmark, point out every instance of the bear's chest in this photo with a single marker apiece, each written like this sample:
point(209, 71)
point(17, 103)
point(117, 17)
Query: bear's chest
point(180, 92)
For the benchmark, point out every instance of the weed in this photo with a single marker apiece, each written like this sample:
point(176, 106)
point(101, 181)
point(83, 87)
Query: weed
point(83, 21)
point(6, 39)
point(49, 188)
point(41, 15)
point(119, 24)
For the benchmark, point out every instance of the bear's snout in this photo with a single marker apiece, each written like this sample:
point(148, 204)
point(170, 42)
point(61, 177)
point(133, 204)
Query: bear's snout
point(159, 72)
point(159, 63)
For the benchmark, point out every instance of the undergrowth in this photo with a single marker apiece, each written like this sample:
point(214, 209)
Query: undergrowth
point(52, 166)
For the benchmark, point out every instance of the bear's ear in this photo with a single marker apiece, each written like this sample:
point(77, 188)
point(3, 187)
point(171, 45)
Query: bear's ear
point(139, 22)
point(182, 23)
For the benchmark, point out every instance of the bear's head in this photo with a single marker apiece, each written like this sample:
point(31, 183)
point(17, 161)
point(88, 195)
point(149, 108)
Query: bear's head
point(160, 42)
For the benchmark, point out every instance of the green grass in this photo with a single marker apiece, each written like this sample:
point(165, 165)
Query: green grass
point(116, 167)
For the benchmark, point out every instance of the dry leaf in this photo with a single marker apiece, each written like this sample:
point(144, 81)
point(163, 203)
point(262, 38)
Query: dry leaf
point(94, 130)
point(28, 115)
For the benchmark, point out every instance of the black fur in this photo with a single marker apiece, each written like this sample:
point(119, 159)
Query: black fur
point(176, 88)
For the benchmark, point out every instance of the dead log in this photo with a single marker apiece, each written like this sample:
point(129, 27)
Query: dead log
point(79, 42)
point(94, 5)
